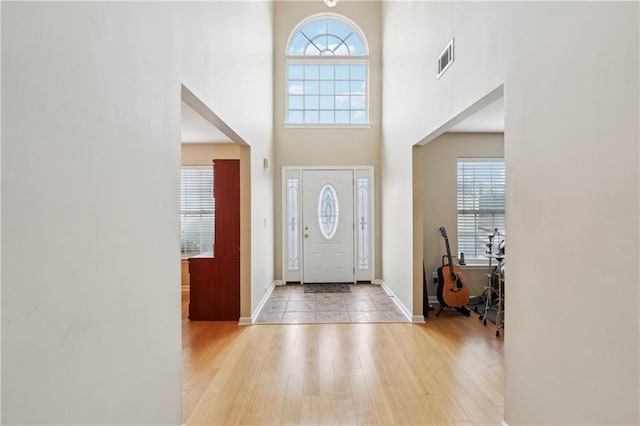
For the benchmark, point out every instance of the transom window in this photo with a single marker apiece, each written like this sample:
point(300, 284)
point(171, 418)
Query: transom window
point(327, 73)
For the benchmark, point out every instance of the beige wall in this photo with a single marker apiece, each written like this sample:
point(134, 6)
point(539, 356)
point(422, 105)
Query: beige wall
point(202, 154)
point(325, 147)
point(440, 157)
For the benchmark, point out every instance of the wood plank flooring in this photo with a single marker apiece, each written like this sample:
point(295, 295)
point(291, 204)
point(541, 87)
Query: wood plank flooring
point(448, 371)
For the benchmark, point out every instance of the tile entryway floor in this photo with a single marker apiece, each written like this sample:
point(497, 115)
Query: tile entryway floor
point(289, 304)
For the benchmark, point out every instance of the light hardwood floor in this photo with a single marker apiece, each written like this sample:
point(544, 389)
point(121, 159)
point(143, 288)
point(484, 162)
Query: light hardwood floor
point(447, 371)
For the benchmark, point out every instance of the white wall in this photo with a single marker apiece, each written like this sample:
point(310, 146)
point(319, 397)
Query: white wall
point(570, 74)
point(91, 97)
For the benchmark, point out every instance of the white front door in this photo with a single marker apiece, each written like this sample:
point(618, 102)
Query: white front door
point(327, 226)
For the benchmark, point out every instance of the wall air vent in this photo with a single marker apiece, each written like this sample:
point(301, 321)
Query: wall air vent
point(445, 59)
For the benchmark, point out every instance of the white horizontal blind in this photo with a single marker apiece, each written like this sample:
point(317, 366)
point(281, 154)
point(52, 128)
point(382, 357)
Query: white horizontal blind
point(481, 195)
point(197, 210)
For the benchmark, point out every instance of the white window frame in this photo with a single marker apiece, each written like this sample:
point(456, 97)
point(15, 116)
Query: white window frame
point(328, 60)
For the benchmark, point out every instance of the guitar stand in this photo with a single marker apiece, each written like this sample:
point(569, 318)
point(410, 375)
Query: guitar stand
point(463, 310)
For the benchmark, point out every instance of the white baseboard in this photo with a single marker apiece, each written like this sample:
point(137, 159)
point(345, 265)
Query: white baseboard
point(245, 321)
point(504, 423)
point(267, 293)
point(406, 312)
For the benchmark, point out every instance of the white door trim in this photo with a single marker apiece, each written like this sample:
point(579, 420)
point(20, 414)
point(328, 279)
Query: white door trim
point(295, 172)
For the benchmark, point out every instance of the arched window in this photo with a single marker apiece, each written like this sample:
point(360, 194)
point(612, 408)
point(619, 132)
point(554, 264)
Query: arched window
point(327, 73)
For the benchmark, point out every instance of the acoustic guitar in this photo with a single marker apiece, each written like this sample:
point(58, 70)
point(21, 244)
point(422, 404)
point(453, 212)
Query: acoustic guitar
point(451, 289)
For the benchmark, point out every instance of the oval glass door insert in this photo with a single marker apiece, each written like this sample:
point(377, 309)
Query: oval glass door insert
point(328, 211)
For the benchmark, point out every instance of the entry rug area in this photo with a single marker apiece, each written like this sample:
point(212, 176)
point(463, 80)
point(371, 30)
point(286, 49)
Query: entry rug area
point(327, 288)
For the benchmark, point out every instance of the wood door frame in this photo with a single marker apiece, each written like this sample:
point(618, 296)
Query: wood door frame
point(366, 170)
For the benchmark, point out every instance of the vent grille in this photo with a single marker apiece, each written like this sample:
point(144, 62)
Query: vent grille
point(445, 60)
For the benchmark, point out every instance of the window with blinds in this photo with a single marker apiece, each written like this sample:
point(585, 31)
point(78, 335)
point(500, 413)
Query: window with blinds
point(481, 195)
point(197, 210)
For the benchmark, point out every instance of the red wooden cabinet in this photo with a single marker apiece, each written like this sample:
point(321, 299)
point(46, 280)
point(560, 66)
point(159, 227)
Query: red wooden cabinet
point(226, 191)
point(215, 289)
point(215, 281)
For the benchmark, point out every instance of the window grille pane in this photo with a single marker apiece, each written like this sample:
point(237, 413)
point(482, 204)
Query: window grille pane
point(481, 204)
point(311, 87)
point(358, 72)
point(296, 72)
point(311, 116)
point(340, 49)
point(339, 28)
point(342, 116)
point(296, 117)
point(358, 87)
point(326, 72)
point(342, 72)
point(197, 210)
point(311, 72)
point(295, 102)
point(311, 102)
point(357, 102)
point(298, 45)
point(342, 102)
point(342, 88)
point(356, 46)
point(327, 117)
point(296, 87)
point(358, 117)
point(327, 103)
point(327, 88)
